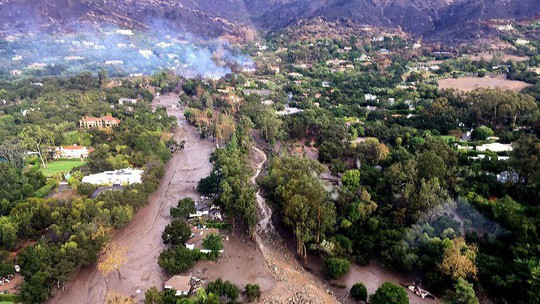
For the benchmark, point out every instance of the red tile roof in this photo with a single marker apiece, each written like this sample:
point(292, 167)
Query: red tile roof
point(73, 147)
point(110, 118)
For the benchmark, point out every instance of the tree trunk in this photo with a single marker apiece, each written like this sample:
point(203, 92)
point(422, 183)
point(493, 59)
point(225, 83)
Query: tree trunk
point(41, 158)
point(318, 225)
point(304, 257)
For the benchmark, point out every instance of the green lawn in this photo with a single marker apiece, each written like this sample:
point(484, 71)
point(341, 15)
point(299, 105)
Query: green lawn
point(61, 166)
point(6, 302)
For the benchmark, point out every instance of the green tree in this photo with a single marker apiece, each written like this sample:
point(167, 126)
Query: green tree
point(185, 207)
point(121, 215)
point(464, 293)
point(213, 242)
point(359, 292)
point(481, 133)
point(270, 124)
point(389, 293)
point(176, 233)
point(223, 289)
point(8, 233)
point(351, 180)
point(431, 165)
point(178, 259)
point(39, 139)
point(336, 267)
point(252, 291)
point(12, 151)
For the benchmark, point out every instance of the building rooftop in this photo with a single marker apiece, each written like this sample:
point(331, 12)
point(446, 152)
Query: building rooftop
point(179, 283)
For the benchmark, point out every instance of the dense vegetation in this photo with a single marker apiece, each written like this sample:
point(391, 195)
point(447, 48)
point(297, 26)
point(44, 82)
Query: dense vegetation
point(55, 237)
point(376, 163)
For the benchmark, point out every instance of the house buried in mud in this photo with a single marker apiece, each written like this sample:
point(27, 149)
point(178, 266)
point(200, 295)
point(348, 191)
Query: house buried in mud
point(182, 285)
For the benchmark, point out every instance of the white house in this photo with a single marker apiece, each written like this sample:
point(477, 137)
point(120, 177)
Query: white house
point(72, 152)
point(495, 147)
point(117, 177)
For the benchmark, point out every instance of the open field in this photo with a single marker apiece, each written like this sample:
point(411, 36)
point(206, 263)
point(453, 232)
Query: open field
point(469, 83)
point(61, 166)
point(489, 56)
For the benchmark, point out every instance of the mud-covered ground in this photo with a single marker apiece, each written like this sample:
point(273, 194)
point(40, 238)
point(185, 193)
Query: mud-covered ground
point(142, 237)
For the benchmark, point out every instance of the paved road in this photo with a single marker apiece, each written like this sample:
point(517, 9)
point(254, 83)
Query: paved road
point(103, 189)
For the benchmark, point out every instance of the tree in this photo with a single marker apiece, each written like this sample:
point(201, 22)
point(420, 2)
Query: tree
point(359, 292)
point(12, 151)
point(184, 208)
point(223, 289)
point(8, 233)
point(121, 215)
point(176, 233)
point(431, 165)
point(213, 242)
point(371, 151)
point(336, 267)
point(103, 77)
point(252, 291)
point(464, 293)
point(178, 259)
point(270, 124)
point(302, 198)
point(152, 296)
point(112, 260)
point(459, 260)
point(389, 293)
point(37, 138)
point(351, 180)
point(37, 289)
point(526, 161)
point(481, 133)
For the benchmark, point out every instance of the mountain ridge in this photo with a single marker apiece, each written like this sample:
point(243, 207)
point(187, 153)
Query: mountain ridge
point(431, 19)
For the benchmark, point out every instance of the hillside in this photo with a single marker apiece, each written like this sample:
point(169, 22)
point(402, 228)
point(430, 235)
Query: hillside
point(435, 19)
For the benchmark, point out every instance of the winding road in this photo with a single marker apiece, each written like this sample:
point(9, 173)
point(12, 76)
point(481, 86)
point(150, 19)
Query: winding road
point(142, 237)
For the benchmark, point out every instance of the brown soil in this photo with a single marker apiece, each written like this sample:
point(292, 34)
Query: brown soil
point(489, 56)
point(142, 237)
point(469, 83)
point(241, 263)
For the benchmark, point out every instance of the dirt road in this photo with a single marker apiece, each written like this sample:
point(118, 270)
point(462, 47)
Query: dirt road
point(142, 237)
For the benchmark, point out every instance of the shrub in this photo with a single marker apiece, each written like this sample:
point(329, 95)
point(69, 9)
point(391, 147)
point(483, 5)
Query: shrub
point(359, 292)
point(223, 289)
point(389, 293)
point(253, 292)
point(336, 267)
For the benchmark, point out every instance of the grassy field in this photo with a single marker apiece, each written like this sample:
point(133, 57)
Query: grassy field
point(5, 302)
point(61, 166)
